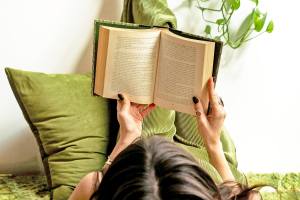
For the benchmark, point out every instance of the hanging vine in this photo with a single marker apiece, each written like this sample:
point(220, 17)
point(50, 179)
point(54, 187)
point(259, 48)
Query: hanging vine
point(253, 25)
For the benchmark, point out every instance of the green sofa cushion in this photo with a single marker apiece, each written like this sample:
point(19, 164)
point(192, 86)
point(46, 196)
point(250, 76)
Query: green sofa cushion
point(73, 128)
point(159, 122)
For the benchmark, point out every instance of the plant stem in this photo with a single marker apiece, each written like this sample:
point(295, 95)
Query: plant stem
point(255, 36)
point(224, 33)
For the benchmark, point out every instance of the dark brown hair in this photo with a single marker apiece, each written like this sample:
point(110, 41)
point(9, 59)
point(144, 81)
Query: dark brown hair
point(156, 169)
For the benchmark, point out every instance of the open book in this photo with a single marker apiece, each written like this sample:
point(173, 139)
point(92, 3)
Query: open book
point(153, 65)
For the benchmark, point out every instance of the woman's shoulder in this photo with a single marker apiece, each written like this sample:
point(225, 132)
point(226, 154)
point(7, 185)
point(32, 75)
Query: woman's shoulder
point(87, 186)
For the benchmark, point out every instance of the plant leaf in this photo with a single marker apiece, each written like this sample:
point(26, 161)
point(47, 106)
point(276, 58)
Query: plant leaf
point(233, 4)
point(220, 21)
point(270, 27)
point(207, 29)
point(259, 19)
point(227, 6)
point(243, 29)
point(255, 1)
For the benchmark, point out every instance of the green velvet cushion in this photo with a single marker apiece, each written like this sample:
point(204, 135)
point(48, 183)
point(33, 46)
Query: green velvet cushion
point(159, 122)
point(187, 133)
point(72, 127)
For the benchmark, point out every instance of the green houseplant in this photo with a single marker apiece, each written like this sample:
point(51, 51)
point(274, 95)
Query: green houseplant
point(218, 16)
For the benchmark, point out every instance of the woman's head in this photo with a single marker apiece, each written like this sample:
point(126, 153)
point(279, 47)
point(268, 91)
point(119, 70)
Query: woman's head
point(156, 169)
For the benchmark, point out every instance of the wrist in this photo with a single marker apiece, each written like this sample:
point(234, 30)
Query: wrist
point(127, 136)
point(124, 142)
point(214, 148)
point(136, 128)
point(120, 146)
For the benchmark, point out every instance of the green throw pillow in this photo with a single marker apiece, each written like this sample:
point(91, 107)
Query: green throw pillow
point(70, 125)
point(74, 130)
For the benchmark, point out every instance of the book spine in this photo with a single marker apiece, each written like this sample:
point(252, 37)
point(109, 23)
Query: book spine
point(95, 50)
point(217, 59)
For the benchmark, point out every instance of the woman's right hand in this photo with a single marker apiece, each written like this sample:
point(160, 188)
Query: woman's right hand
point(210, 125)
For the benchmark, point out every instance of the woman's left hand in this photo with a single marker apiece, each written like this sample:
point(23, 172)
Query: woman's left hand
point(130, 117)
point(210, 125)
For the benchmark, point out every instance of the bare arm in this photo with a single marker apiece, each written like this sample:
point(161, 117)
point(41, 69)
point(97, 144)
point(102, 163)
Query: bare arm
point(86, 186)
point(209, 127)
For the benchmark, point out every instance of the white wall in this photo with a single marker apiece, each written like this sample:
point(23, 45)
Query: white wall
point(52, 36)
point(259, 83)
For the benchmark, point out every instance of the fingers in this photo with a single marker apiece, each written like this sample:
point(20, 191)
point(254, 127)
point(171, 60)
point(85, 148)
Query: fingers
point(198, 106)
point(217, 106)
point(123, 102)
point(139, 106)
point(147, 110)
point(213, 97)
point(200, 114)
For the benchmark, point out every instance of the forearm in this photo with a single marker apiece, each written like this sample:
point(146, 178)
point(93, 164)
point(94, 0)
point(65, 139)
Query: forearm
point(122, 143)
point(120, 146)
point(127, 136)
point(218, 160)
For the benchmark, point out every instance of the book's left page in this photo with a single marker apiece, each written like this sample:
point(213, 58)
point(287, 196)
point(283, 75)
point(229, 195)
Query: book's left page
point(126, 63)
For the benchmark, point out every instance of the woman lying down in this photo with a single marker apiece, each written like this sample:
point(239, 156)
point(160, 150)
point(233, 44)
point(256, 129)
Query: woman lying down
point(157, 169)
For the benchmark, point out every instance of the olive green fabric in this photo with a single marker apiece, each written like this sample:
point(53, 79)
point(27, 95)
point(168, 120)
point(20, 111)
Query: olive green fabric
point(70, 125)
point(187, 133)
point(159, 122)
point(14, 187)
point(150, 12)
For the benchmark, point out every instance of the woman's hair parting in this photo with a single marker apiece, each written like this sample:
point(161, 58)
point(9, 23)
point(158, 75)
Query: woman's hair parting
point(157, 169)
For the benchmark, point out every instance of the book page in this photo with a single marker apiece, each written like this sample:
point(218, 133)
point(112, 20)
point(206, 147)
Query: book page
point(184, 67)
point(131, 64)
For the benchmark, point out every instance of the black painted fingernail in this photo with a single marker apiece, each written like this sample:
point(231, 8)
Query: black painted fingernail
point(121, 97)
point(214, 79)
point(221, 101)
point(195, 100)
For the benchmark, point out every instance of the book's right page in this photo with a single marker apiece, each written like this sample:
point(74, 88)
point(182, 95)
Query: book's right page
point(184, 67)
